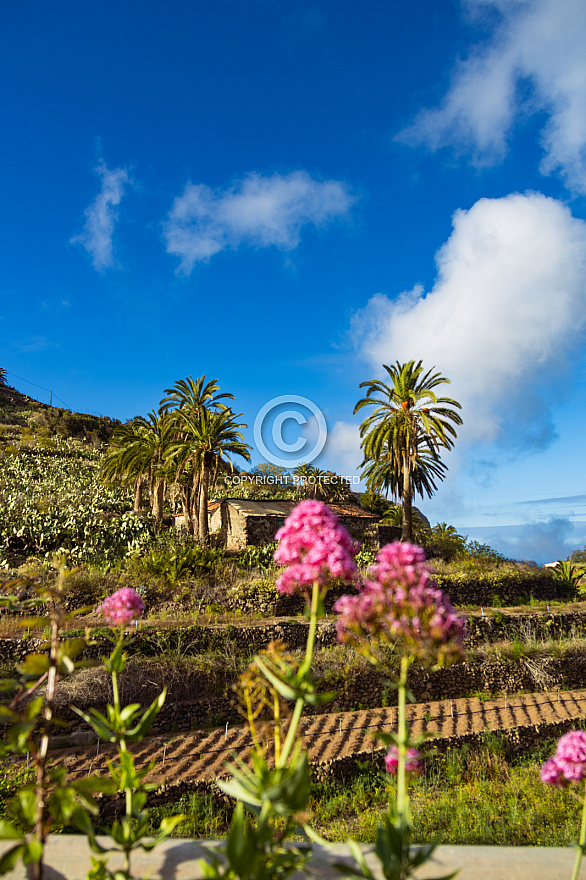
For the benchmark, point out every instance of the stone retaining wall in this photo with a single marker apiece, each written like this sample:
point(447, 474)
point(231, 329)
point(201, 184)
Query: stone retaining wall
point(514, 589)
point(193, 640)
point(510, 589)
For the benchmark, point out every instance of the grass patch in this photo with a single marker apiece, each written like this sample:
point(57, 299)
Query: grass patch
point(206, 816)
point(468, 797)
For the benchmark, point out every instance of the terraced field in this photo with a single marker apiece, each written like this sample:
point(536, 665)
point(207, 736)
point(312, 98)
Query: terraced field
point(201, 756)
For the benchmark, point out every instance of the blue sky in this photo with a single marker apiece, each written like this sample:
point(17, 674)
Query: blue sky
point(286, 195)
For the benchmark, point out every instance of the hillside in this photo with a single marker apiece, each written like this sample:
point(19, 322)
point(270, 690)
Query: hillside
point(51, 495)
point(23, 418)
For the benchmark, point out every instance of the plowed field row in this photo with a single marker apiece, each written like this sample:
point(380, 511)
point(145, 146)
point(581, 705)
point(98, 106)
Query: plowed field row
point(201, 755)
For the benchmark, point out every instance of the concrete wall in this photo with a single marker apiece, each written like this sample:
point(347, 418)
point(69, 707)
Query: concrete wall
point(67, 857)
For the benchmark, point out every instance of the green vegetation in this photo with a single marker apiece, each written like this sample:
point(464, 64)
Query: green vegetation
point(489, 796)
point(466, 797)
point(258, 557)
point(572, 576)
point(23, 419)
point(178, 563)
point(52, 500)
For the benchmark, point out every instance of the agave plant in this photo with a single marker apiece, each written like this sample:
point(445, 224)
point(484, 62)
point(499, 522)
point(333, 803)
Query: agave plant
point(570, 575)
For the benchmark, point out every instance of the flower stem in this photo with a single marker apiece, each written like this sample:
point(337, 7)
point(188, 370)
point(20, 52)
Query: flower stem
point(402, 795)
point(277, 729)
point(306, 665)
point(581, 842)
point(303, 670)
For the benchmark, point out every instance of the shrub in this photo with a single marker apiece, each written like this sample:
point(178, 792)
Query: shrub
point(179, 563)
point(52, 500)
point(254, 593)
point(258, 557)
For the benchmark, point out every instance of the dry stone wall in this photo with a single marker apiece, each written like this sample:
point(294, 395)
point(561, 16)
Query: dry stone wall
point(512, 589)
point(196, 639)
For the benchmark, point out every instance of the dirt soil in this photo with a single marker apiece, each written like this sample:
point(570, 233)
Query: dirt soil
point(201, 755)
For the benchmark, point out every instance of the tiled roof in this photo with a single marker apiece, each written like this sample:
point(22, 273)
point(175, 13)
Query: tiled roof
point(284, 508)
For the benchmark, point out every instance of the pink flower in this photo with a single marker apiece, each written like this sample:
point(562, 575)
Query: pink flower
point(122, 606)
point(569, 762)
point(399, 600)
point(413, 762)
point(315, 547)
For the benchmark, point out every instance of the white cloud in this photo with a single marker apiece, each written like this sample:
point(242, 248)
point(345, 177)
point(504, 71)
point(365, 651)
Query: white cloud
point(537, 44)
point(101, 216)
point(507, 308)
point(257, 211)
point(539, 541)
point(343, 449)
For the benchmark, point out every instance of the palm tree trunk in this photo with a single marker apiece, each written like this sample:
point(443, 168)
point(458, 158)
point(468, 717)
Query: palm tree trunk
point(407, 533)
point(158, 500)
point(186, 508)
point(194, 502)
point(138, 492)
point(203, 499)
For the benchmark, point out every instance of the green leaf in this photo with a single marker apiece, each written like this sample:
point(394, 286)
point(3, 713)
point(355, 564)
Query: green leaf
point(102, 728)
point(145, 723)
point(237, 790)
point(8, 684)
point(34, 664)
point(71, 648)
point(33, 622)
point(128, 712)
point(169, 824)
point(78, 612)
point(9, 831)
point(116, 661)
point(9, 859)
point(104, 784)
point(315, 699)
point(24, 806)
point(283, 688)
point(34, 708)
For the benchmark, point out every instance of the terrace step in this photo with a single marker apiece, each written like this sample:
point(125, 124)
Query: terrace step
point(200, 756)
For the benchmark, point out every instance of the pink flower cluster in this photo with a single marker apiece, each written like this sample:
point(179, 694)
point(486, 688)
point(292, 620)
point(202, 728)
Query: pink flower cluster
point(569, 762)
point(314, 547)
point(413, 762)
point(122, 606)
point(399, 600)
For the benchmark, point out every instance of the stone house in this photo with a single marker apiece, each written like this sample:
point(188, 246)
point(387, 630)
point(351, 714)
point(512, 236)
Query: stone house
point(242, 523)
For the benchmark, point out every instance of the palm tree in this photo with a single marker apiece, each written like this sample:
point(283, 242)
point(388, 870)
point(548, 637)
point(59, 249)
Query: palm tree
point(139, 452)
point(394, 517)
point(192, 394)
point(385, 474)
point(206, 439)
point(115, 465)
point(2, 376)
point(184, 403)
point(337, 488)
point(408, 422)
